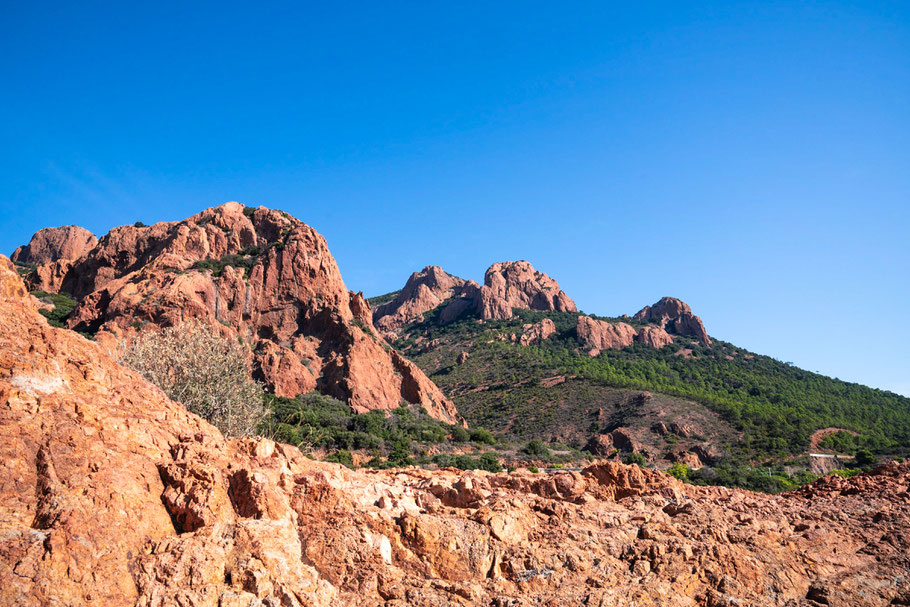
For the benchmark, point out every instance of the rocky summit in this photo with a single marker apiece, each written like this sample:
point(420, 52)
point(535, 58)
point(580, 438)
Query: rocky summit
point(258, 275)
point(110, 494)
point(675, 316)
point(422, 292)
point(48, 245)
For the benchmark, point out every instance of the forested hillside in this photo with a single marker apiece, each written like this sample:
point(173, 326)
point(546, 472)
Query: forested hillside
point(774, 407)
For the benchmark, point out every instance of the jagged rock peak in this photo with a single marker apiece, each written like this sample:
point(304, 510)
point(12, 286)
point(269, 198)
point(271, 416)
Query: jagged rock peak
point(54, 244)
point(516, 284)
point(423, 291)
point(675, 316)
point(258, 275)
point(507, 285)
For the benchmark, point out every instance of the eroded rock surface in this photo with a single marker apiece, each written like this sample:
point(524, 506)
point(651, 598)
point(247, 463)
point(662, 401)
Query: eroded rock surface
point(424, 291)
point(600, 335)
point(674, 316)
point(113, 495)
point(507, 285)
point(53, 244)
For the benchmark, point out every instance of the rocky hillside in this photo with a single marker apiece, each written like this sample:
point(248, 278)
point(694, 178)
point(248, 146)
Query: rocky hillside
point(550, 372)
point(112, 495)
point(261, 277)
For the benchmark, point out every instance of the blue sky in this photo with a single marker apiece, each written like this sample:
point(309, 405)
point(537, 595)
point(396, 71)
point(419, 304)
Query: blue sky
point(752, 159)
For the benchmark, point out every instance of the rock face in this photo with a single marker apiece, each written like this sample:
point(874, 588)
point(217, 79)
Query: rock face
point(674, 316)
point(600, 335)
point(112, 495)
point(507, 285)
point(53, 244)
point(262, 277)
point(423, 292)
point(537, 332)
point(516, 284)
point(653, 337)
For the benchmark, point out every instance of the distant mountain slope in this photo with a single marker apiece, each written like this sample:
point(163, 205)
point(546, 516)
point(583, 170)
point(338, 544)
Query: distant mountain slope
point(503, 375)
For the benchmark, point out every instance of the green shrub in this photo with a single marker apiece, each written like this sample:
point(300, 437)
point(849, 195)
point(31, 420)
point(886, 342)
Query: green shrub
point(460, 435)
point(481, 435)
point(342, 456)
point(634, 458)
point(679, 471)
point(536, 448)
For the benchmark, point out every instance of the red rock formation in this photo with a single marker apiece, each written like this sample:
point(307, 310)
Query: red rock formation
point(111, 495)
point(49, 277)
point(653, 337)
point(507, 285)
point(516, 284)
point(52, 244)
point(600, 335)
point(423, 291)
point(537, 332)
point(260, 276)
point(676, 317)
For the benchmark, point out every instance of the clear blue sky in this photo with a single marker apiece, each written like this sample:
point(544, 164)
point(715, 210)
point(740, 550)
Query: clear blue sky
point(752, 159)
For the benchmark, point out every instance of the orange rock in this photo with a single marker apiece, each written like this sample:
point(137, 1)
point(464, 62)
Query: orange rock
point(422, 292)
point(112, 495)
point(259, 276)
point(676, 317)
point(53, 244)
point(600, 335)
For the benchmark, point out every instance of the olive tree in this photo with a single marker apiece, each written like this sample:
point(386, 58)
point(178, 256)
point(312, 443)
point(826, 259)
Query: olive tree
point(209, 374)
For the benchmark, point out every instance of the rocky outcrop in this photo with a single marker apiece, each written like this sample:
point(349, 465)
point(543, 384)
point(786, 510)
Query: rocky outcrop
point(674, 316)
point(424, 291)
point(534, 333)
point(259, 276)
point(653, 337)
point(53, 244)
point(507, 285)
point(112, 495)
point(598, 335)
point(516, 284)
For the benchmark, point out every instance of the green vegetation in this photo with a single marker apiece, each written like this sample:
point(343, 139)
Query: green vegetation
point(245, 260)
point(63, 303)
point(766, 480)
point(316, 420)
point(679, 470)
point(487, 461)
point(377, 301)
point(536, 449)
point(24, 269)
point(775, 406)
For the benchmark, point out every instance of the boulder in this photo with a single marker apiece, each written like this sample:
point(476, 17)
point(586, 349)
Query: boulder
point(653, 337)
